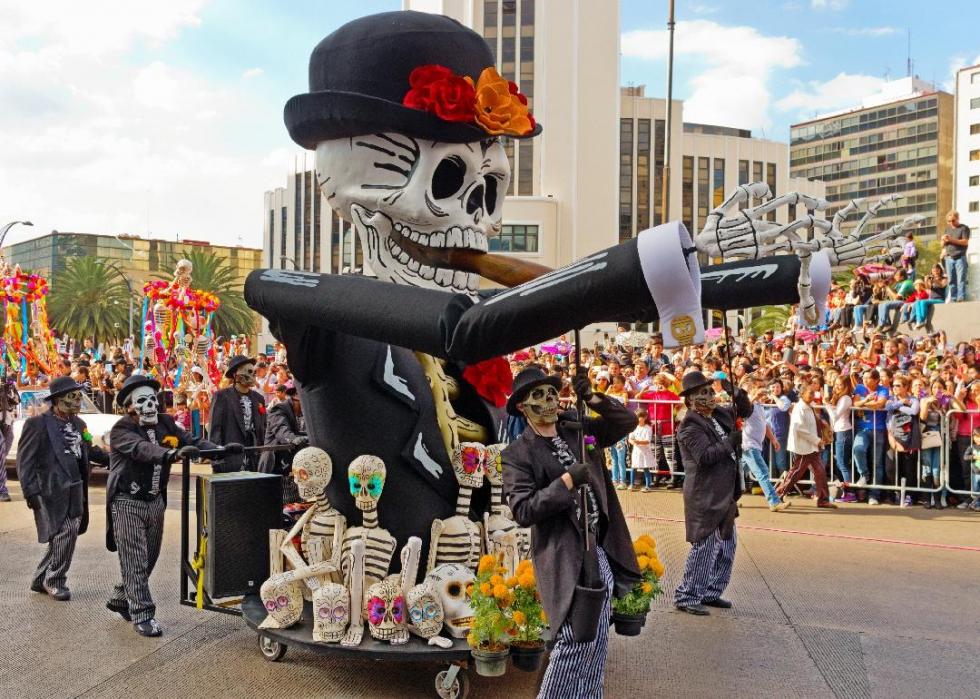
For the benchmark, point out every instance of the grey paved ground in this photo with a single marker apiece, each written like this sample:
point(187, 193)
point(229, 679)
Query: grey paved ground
point(824, 607)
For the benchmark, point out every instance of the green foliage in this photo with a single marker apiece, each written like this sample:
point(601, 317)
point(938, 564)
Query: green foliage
point(490, 599)
point(90, 299)
point(526, 610)
point(212, 274)
point(770, 318)
point(636, 602)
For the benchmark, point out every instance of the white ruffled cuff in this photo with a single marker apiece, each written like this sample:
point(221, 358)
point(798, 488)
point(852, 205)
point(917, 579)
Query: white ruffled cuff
point(674, 281)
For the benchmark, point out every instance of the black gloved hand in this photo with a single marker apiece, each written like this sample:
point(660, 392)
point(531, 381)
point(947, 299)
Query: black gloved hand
point(579, 473)
point(735, 439)
point(170, 456)
point(34, 501)
point(234, 448)
point(300, 441)
point(582, 386)
point(189, 452)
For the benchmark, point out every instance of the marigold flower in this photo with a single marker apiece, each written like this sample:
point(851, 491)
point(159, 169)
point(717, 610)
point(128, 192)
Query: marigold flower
point(643, 562)
point(519, 618)
point(657, 567)
point(647, 588)
point(486, 564)
point(499, 591)
point(496, 580)
point(526, 580)
point(500, 108)
point(486, 589)
point(511, 581)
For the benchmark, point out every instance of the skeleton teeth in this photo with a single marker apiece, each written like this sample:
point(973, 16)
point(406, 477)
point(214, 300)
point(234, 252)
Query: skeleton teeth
point(468, 238)
point(444, 277)
point(454, 237)
point(414, 237)
point(437, 240)
point(427, 272)
point(403, 257)
point(480, 242)
point(395, 249)
point(460, 280)
point(413, 265)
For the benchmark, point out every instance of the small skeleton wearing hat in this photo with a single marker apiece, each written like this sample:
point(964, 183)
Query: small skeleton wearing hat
point(238, 415)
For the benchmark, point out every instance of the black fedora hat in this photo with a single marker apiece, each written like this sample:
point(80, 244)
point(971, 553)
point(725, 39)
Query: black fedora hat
point(359, 77)
point(134, 382)
point(528, 378)
point(62, 385)
point(235, 363)
point(692, 381)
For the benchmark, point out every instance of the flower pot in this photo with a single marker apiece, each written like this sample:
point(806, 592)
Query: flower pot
point(527, 657)
point(490, 663)
point(628, 624)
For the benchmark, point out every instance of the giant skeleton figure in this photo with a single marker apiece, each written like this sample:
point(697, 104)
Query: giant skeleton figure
point(382, 364)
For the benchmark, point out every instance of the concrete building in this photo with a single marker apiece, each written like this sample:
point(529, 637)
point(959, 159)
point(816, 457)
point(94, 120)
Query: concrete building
point(899, 140)
point(967, 165)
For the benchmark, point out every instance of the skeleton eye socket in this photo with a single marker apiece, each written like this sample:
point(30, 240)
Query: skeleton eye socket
point(282, 600)
point(491, 193)
point(448, 177)
point(454, 590)
point(323, 613)
point(431, 611)
point(270, 605)
point(417, 614)
point(355, 485)
point(339, 612)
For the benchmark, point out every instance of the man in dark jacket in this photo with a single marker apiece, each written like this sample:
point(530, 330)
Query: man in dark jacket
point(238, 417)
point(53, 467)
point(709, 442)
point(284, 426)
point(542, 472)
point(144, 445)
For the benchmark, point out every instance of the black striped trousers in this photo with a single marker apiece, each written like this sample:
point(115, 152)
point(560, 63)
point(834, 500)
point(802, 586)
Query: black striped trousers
point(138, 528)
point(707, 570)
point(52, 571)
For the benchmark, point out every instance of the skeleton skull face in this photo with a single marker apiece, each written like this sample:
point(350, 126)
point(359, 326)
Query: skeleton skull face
point(395, 188)
point(283, 600)
point(385, 608)
point(245, 376)
point(425, 615)
point(492, 466)
point(312, 470)
point(70, 403)
point(331, 612)
point(468, 464)
point(452, 582)
point(541, 405)
point(366, 476)
point(183, 272)
point(144, 405)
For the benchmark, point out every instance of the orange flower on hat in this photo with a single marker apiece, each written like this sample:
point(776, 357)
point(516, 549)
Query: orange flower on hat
point(500, 107)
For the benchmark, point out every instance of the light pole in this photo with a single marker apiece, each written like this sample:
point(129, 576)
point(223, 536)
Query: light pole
point(665, 187)
point(129, 285)
point(286, 258)
point(3, 231)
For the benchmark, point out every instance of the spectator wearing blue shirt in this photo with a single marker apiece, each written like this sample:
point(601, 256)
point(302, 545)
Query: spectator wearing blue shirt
point(871, 431)
point(777, 415)
point(755, 431)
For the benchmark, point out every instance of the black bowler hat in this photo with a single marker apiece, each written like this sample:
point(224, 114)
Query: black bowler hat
point(527, 379)
point(235, 363)
point(359, 76)
point(132, 383)
point(62, 385)
point(692, 381)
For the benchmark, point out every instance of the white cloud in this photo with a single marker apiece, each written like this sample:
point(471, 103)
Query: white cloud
point(252, 73)
point(955, 64)
point(866, 31)
point(828, 4)
point(733, 88)
point(840, 92)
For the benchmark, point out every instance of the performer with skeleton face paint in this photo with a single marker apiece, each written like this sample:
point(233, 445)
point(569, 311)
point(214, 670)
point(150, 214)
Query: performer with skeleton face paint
point(144, 445)
point(53, 457)
point(710, 443)
point(238, 416)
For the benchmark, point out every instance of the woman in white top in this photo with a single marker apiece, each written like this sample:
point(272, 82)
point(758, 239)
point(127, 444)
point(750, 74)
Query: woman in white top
point(805, 445)
point(841, 420)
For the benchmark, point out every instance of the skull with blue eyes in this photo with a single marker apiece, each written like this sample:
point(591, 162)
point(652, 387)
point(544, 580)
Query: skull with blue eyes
point(425, 615)
point(366, 476)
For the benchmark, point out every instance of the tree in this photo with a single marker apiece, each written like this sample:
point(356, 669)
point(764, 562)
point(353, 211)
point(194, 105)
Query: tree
point(213, 275)
point(90, 299)
point(771, 318)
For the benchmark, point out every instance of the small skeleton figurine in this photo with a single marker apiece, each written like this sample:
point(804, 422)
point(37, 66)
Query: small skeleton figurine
point(501, 533)
point(459, 539)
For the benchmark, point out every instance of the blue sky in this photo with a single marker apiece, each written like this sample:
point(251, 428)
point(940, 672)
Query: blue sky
point(166, 117)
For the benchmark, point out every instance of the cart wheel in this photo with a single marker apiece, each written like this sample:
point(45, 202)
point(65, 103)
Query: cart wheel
point(272, 650)
point(459, 689)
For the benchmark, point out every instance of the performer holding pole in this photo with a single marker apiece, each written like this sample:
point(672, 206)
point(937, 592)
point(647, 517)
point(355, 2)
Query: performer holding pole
point(238, 416)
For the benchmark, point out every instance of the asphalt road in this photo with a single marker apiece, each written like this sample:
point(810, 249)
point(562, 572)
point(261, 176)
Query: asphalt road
point(861, 602)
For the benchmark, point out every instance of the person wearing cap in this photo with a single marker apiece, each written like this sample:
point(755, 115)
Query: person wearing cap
point(145, 442)
point(542, 471)
point(285, 425)
point(53, 457)
point(709, 443)
point(238, 416)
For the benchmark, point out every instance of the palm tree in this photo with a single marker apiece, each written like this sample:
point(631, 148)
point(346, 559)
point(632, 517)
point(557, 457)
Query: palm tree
point(771, 318)
point(211, 274)
point(89, 299)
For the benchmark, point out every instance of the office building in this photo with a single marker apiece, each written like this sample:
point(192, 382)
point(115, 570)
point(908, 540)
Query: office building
point(897, 141)
point(967, 146)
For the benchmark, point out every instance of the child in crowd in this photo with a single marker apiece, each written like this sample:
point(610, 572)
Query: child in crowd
point(663, 402)
point(972, 457)
point(182, 414)
point(643, 458)
point(909, 254)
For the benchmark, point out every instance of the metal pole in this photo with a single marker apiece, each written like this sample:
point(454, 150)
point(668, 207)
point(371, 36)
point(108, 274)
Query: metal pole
point(665, 186)
point(5, 229)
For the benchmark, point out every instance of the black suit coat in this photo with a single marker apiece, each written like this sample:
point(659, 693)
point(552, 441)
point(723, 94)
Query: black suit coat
point(228, 424)
point(712, 485)
point(540, 500)
point(281, 427)
point(47, 468)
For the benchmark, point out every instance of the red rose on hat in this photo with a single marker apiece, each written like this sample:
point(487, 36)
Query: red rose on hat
point(438, 90)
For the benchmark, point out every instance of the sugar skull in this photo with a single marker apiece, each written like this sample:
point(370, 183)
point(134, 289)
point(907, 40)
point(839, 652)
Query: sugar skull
point(366, 476)
point(143, 402)
point(425, 615)
point(541, 405)
point(386, 609)
point(468, 464)
point(312, 470)
point(493, 467)
point(245, 375)
point(69, 403)
point(451, 582)
point(283, 600)
point(331, 612)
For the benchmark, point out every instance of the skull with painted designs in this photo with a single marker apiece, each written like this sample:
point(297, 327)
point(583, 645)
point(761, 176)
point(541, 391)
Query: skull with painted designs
point(366, 476)
point(331, 612)
point(386, 609)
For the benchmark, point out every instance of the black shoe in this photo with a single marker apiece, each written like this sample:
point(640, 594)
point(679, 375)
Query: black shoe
point(38, 586)
point(695, 609)
point(120, 608)
point(148, 628)
point(4, 497)
point(719, 602)
point(62, 594)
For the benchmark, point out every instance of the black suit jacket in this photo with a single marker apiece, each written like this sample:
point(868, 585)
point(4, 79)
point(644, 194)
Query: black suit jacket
point(228, 425)
point(47, 468)
point(281, 427)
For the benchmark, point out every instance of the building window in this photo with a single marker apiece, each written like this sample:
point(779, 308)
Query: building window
point(508, 39)
point(974, 180)
point(975, 155)
point(525, 167)
point(973, 207)
point(771, 181)
point(490, 26)
point(974, 129)
point(743, 178)
point(704, 177)
point(642, 174)
point(756, 171)
point(687, 193)
point(975, 103)
point(282, 238)
point(625, 179)
point(272, 238)
point(658, 171)
point(718, 193)
point(515, 238)
point(508, 144)
point(975, 78)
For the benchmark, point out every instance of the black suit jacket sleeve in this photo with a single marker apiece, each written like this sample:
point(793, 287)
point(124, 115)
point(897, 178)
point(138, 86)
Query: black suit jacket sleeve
point(615, 421)
point(219, 414)
point(529, 503)
point(701, 447)
point(28, 457)
point(129, 442)
point(279, 426)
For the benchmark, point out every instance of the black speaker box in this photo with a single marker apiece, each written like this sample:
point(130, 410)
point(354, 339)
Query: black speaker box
point(241, 509)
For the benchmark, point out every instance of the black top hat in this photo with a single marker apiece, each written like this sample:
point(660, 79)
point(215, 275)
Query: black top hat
point(526, 379)
point(692, 381)
point(62, 385)
point(359, 76)
point(237, 362)
point(132, 383)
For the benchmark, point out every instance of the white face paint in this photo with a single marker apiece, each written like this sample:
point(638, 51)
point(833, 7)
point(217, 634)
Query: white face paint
point(143, 401)
point(439, 195)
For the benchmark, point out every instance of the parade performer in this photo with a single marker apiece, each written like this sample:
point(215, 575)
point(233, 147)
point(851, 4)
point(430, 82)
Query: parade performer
point(53, 457)
point(709, 443)
point(542, 471)
point(285, 426)
point(238, 415)
point(144, 445)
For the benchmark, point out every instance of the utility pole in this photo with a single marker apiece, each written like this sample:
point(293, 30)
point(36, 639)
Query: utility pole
point(665, 185)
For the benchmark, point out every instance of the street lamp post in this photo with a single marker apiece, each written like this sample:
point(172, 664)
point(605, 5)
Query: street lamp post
point(129, 285)
point(286, 258)
point(3, 231)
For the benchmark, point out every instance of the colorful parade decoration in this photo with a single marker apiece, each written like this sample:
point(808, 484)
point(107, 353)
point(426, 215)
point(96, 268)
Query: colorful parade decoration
point(27, 337)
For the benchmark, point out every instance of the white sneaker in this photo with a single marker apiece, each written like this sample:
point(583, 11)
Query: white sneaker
point(962, 506)
point(873, 501)
point(862, 483)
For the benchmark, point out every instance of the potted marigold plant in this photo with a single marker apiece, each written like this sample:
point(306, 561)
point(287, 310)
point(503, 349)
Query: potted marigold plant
point(630, 611)
point(529, 619)
point(491, 600)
